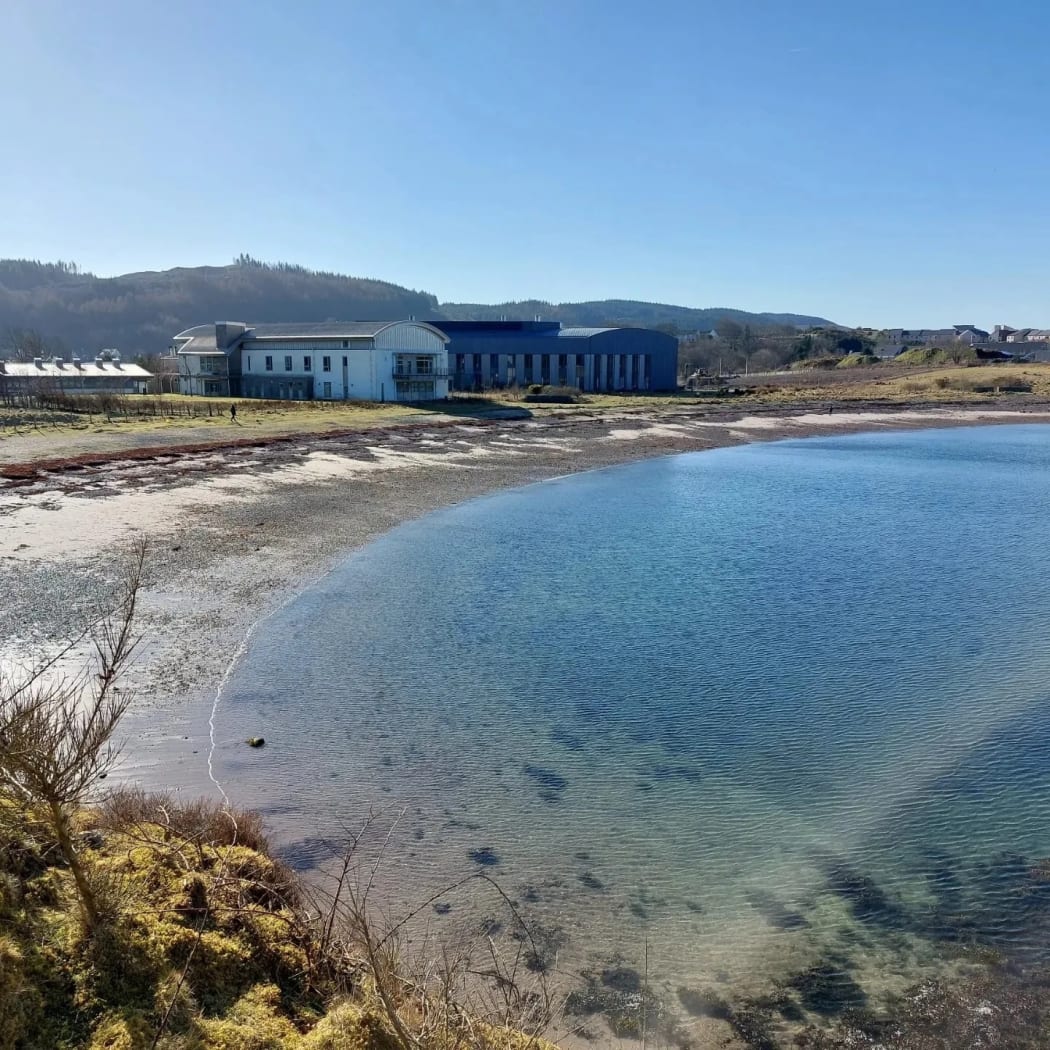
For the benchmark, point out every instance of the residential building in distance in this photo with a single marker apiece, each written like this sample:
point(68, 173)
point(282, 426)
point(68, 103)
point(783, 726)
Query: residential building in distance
point(331, 361)
point(495, 354)
point(105, 374)
point(1026, 344)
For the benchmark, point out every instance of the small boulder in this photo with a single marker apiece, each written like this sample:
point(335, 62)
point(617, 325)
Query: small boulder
point(255, 741)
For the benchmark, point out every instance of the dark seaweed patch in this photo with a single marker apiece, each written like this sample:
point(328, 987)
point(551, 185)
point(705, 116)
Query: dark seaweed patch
point(570, 741)
point(774, 911)
point(622, 979)
point(543, 942)
point(866, 900)
point(485, 856)
point(590, 881)
point(624, 1007)
point(547, 778)
point(704, 1004)
point(307, 853)
point(827, 989)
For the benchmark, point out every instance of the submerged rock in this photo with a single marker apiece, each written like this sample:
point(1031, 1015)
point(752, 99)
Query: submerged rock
point(826, 990)
point(485, 856)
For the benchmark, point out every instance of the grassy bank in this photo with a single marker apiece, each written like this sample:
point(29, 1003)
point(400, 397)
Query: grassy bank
point(204, 942)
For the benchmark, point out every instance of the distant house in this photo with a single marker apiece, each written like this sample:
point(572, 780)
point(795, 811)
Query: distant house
point(106, 374)
point(330, 361)
point(894, 340)
point(969, 334)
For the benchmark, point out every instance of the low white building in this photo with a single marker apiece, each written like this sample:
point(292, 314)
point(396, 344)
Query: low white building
point(105, 374)
point(331, 361)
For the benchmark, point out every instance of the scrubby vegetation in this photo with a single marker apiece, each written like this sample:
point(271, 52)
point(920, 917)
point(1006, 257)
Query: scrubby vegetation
point(136, 922)
point(203, 942)
point(857, 361)
point(936, 355)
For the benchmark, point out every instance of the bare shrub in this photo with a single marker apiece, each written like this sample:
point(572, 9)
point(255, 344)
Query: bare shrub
point(56, 732)
point(199, 820)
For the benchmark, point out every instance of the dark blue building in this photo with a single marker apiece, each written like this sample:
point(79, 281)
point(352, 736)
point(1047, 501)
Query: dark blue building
point(486, 354)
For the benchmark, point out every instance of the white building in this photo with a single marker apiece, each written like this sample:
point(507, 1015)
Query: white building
point(105, 374)
point(331, 361)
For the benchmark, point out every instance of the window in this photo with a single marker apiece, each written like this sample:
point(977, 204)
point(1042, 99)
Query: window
point(424, 366)
point(269, 363)
point(287, 362)
point(308, 364)
point(326, 366)
point(327, 387)
point(248, 363)
point(346, 344)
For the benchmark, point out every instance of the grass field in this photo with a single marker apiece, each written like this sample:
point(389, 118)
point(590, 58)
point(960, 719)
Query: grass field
point(894, 384)
point(28, 434)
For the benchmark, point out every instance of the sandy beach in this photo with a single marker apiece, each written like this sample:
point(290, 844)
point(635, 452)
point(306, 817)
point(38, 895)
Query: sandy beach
point(235, 532)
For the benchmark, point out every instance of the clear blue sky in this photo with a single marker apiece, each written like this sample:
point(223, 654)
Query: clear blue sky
point(882, 162)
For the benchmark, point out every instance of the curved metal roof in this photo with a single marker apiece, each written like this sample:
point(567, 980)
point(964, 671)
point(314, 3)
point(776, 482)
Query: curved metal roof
point(201, 337)
point(583, 333)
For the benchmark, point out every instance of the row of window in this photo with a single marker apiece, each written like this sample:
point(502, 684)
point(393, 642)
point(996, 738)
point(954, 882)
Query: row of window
point(554, 363)
point(289, 366)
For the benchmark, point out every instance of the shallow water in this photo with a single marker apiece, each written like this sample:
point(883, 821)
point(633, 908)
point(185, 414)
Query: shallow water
point(753, 708)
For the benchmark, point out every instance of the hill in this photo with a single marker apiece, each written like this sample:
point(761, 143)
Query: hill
point(626, 312)
point(138, 313)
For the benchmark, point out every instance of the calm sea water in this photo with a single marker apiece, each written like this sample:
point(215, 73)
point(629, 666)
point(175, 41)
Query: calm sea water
point(749, 709)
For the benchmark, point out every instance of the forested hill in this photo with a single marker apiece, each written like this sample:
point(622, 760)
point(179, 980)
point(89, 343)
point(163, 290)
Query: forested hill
point(626, 312)
point(58, 308)
point(140, 312)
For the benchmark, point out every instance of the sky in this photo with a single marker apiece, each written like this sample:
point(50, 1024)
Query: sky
point(877, 163)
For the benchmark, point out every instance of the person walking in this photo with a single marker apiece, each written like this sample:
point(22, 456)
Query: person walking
point(233, 413)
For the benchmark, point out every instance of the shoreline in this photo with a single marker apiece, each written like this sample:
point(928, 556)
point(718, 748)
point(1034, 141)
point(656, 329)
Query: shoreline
point(238, 532)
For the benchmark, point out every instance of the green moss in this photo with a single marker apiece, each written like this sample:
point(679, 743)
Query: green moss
point(857, 361)
point(254, 1022)
point(15, 1011)
point(350, 1027)
point(121, 1030)
point(936, 355)
point(201, 939)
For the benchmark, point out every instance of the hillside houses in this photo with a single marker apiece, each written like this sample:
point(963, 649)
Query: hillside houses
point(1032, 343)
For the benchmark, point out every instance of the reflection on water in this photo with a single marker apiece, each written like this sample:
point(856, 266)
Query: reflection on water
point(775, 713)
